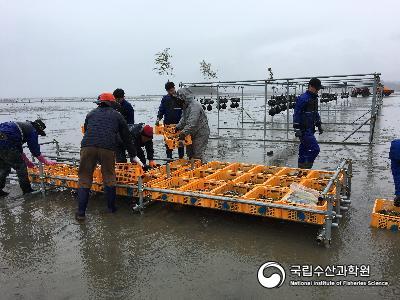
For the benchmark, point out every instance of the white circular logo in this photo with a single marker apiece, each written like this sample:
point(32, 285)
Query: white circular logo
point(273, 281)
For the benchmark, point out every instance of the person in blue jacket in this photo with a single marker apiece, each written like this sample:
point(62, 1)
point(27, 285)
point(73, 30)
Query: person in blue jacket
point(12, 136)
point(394, 156)
point(305, 119)
point(126, 108)
point(127, 111)
point(171, 112)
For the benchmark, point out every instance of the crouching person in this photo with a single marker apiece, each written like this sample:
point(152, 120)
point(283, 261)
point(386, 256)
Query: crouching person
point(102, 127)
point(12, 136)
point(193, 122)
point(142, 136)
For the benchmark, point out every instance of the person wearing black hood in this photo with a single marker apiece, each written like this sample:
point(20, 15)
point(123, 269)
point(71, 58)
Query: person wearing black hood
point(305, 119)
point(12, 136)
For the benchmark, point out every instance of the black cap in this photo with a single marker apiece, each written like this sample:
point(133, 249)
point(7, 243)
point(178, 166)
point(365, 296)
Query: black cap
point(119, 93)
point(169, 85)
point(39, 126)
point(315, 82)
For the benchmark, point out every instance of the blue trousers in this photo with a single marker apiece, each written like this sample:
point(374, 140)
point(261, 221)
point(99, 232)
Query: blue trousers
point(395, 164)
point(308, 148)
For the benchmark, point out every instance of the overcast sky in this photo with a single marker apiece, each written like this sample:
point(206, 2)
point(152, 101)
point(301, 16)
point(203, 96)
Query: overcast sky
point(82, 48)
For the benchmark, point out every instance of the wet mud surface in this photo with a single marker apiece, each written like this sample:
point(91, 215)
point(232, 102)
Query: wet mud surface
point(183, 252)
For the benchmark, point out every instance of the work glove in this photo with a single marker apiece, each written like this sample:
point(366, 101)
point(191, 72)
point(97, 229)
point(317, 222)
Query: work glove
point(45, 161)
point(137, 160)
point(152, 164)
point(182, 136)
point(28, 163)
point(320, 130)
point(297, 133)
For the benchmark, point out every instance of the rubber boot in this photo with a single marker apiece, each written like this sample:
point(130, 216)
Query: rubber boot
point(302, 165)
point(111, 195)
point(83, 198)
point(308, 165)
point(397, 201)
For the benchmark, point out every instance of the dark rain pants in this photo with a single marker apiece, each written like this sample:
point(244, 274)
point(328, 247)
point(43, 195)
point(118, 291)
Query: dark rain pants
point(308, 148)
point(11, 159)
point(90, 157)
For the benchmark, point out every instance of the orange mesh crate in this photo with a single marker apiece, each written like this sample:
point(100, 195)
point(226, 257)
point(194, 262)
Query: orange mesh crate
point(240, 167)
point(294, 172)
point(204, 170)
point(173, 183)
point(299, 216)
point(230, 190)
point(225, 175)
point(379, 219)
point(172, 141)
point(266, 170)
point(282, 181)
point(264, 194)
point(203, 187)
point(318, 185)
point(252, 178)
point(165, 129)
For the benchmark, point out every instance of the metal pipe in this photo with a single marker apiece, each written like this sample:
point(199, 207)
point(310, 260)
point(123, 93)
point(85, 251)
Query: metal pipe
point(334, 177)
point(222, 198)
point(287, 141)
point(41, 177)
point(218, 107)
point(242, 107)
point(373, 111)
point(265, 108)
point(359, 127)
point(287, 110)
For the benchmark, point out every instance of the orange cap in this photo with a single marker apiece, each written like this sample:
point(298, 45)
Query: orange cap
point(106, 97)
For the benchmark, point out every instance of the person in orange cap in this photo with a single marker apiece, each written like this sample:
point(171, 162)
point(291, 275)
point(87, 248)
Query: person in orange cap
point(103, 128)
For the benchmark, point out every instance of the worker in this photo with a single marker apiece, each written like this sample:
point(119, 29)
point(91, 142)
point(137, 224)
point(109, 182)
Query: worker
point(305, 119)
point(127, 111)
point(171, 112)
point(102, 127)
point(193, 122)
point(394, 156)
point(126, 108)
point(142, 136)
point(12, 136)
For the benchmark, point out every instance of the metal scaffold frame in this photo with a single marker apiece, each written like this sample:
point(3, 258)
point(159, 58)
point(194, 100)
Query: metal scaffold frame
point(336, 203)
point(343, 82)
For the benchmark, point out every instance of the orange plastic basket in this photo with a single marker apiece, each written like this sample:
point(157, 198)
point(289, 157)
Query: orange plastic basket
point(230, 190)
point(200, 186)
point(294, 172)
point(266, 170)
point(264, 194)
point(381, 220)
point(318, 185)
point(282, 181)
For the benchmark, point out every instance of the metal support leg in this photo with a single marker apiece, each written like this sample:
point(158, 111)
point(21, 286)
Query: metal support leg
point(242, 108)
point(218, 108)
point(287, 110)
point(140, 192)
point(373, 111)
point(57, 147)
point(265, 109)
point(42, 184)
point(168, 169)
